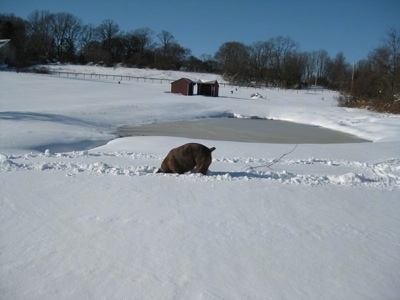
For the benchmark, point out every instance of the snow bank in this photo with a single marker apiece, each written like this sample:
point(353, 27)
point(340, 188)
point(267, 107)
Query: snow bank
point(318, 223)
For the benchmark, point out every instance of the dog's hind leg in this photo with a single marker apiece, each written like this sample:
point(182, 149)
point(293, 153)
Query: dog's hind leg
point(202, 166)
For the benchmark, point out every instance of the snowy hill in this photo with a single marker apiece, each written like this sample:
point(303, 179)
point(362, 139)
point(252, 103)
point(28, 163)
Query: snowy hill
point(134, 72)
point(90, 218)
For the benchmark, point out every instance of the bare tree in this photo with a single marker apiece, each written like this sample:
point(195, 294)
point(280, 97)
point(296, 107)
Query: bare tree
point(107, 32)
point(166, 40)
point(139, 45)
point(65, 30)
point(40, 42)
point(273, 60)
point(390, 61)
point(293, 70)
point(383, 65)
point(233, 58)
point(339, 73)
point(282, 47)
point(260, 54)
point(315, 66)
point(322, 62)
point(209, 63)
point(377, 79)
point(144, 37)
point(178, 55)
point(310, 65)
point(87, 36)
point(171, 53)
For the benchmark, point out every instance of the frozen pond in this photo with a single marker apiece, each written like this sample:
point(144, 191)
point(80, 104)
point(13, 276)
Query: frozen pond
point(242, 130)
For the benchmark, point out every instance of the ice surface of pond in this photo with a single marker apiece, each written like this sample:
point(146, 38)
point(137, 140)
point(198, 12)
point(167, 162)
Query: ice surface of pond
point(242, 130)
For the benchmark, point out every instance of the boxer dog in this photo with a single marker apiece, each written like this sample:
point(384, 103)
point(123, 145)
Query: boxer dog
point(186, 157)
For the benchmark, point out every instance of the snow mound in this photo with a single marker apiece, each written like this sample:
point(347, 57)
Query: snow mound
point(256, 96)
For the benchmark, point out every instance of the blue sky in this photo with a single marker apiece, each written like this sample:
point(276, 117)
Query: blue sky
point(354, 27)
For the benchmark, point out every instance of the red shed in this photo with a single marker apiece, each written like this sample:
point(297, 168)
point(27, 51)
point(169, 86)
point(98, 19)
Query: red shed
point(182, 86)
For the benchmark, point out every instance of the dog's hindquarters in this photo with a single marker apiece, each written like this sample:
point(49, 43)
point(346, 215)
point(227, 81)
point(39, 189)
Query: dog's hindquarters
point(187, 157)
point(204, 161)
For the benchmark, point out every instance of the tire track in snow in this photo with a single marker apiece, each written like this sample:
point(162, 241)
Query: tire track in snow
point(312, 171)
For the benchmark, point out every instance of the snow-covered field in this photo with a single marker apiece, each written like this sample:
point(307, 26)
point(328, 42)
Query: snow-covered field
point(321, 223)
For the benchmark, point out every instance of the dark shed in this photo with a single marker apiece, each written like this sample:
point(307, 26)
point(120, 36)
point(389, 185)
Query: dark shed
point(182, 86)
point(209, 88)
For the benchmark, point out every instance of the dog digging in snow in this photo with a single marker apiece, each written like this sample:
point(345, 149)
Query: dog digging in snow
point(187, 157)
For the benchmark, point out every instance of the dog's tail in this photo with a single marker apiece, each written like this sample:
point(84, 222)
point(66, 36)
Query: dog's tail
point(212, 149)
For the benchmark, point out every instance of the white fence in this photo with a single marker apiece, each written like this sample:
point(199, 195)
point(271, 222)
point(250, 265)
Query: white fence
point(116, 77)
point(109, 77)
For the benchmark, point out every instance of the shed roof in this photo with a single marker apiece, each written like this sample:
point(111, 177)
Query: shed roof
point(3, 42)
point(185, 79)
point(207, 82)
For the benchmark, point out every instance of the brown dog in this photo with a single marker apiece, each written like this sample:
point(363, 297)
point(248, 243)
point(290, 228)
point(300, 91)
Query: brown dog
point(184, 158)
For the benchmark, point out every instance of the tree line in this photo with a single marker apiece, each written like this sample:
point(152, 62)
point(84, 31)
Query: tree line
point(278, 61)
point(62, 37)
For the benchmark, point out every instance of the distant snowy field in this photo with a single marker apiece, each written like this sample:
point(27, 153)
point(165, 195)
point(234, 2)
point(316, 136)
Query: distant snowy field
point(321, 223)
